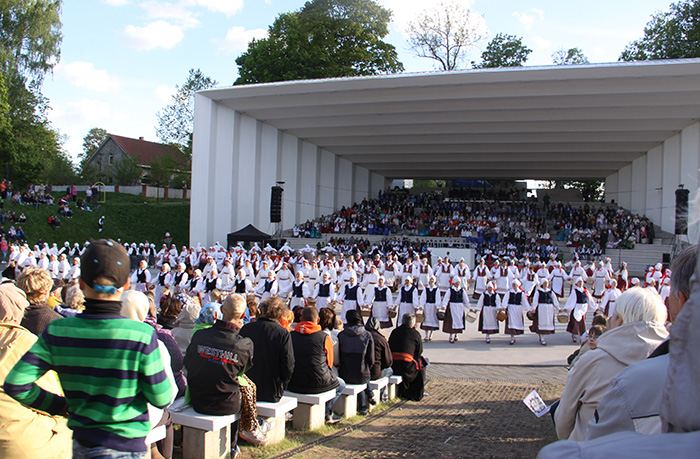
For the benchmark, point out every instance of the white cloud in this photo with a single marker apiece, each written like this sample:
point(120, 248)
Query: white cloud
point(85, 75)
point(158, 34)
point(164, 93)
point(227, 7)
point(176, 13)
point(237, 39)
point(530, 17)
point(405, 11)
point(541, 44)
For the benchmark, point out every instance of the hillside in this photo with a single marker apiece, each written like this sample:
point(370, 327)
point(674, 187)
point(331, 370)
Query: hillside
point(127, 217)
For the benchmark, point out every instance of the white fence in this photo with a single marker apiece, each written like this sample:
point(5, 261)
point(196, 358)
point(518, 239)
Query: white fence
point(138, 190)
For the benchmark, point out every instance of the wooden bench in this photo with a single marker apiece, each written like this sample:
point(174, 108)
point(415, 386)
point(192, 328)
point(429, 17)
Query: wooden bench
point(376, 387)
point(393, 382)
point(204, 436)
point(346, 405)
point(276, 413)
point(310, 412)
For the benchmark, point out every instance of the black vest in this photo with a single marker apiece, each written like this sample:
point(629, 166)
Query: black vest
point(178, 278)
point(581, 297)
point(211, 285)
point(141, 277)
point(380, 294)
point(324, 290)
point(240, 286)
point(545, 297)
point(457, 296)
point(311, 372)
point(298, 290)
point(430, 295)
point(407, 295)
point(515, 298)
point(161, 278)
point(268, 285)
point(351, 293)
point(193, 282)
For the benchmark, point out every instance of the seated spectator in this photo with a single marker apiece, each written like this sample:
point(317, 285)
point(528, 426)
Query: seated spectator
point(214, 383)
point(313, 359)
point(382, 355)
point(273, 357)
point(170, 310)
point(636, 329)
point(407, 353)
point(75, 302)
point(184, 324)
point(37, 284)
point(356, 348)
point(25, 433)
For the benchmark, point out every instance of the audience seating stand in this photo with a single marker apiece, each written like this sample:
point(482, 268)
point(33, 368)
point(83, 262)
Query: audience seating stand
point(310, 412)
point(346, 405)
point(376, 387)
point(203, 436)
point(394, 381)
point(276, 412)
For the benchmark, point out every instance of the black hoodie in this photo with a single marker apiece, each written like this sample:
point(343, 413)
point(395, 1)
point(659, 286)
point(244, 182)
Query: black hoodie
point(356, 348)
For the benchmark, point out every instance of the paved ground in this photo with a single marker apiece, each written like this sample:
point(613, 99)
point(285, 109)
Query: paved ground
point(469, 412)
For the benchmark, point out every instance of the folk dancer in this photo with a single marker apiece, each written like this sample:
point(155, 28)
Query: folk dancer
point(545, 305)
point(382, 302)
point(516, 302)
point(578, 304)
point(455, 302)
point(489, 304)
point(430, 301)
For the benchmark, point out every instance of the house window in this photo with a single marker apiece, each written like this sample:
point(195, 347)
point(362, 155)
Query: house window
point(111, 159)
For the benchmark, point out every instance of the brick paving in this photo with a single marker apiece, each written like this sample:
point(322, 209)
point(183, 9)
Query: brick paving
point(469, 412)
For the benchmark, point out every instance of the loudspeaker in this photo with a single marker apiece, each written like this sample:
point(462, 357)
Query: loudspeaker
point(276, 204)
point(682, 211)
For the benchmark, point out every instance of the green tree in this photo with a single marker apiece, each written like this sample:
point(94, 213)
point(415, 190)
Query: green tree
point(504, 51)
point(571, 56)
point(126, 172)
point(445, 32)
point(161, 170)
point(176, 121)
point(674, 34)
point(325, 39)
point(91, 142)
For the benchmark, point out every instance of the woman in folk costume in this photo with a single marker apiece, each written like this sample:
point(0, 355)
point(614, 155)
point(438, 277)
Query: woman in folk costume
point(546, 305)
point(579, 302)
point(382, 302)
point(578, 271)
point(489, 303)
point(425, 272)
point(351, 297)
point(370, 280)
point(408, 270)
point(529, 280)
point(314, 275)
point(444, 275)
point(141, 278)
point(556, 279)
point(391, 270)
point(196, 284)
point(268, 287)
point(408, 298)
point(300, 291)
point(455, 302)
point(285, 278)
point(481, 277)
point(324, 292)
point(227, 273)
point(263, 273)
point(329, 269)
point(462, 271)
point(164, 280)
point(623, 277)
point(430, 300)
point(211, 283)
point(516, 301)
point(601, 278)
point(179, 279)
point(607, 305)
point(500, 277)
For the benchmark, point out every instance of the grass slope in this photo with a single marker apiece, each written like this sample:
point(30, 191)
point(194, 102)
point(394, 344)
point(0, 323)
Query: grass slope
point(127, 217)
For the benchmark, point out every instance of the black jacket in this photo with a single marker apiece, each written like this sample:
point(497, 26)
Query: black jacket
point(273, 359)
point(356, 348)
point(214, 359)
point(382, 354)
point(312, 375)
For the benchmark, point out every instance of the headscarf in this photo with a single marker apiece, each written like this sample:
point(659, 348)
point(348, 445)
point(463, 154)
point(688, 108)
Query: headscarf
point(189, 312)
point(13, 301)
point(209, 314)
point(372, 323)
point(135, 305)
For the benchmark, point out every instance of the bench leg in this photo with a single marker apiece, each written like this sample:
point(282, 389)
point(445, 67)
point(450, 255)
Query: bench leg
point(377, 397)
point(276, 434)
point(392, 391)
point(309, 417)
point(203, 444)
point(346, 406)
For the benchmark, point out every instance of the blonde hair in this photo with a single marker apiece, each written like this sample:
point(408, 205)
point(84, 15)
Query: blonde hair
point(638, 304)
point(36, 283)
point(75, 298)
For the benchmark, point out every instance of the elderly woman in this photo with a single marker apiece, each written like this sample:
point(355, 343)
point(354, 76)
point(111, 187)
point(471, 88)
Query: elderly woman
point(75, 302)
point(25, 433)
point(636, 329)
point(184, 324)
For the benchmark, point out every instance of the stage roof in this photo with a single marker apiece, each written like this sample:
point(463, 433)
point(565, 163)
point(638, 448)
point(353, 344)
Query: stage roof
point(559, 122)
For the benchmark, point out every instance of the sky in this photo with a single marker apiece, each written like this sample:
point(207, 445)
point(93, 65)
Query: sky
point(122, 59)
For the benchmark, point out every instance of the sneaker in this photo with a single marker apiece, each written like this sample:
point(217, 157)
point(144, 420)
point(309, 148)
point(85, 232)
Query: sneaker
point(288, 416)
point(265, 425)
point(363, 412)
point(333, 418)
point(256, 437)
point(235, 452)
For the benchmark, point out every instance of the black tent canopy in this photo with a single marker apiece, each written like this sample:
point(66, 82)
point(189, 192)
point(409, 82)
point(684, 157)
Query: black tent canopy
point(247, 235)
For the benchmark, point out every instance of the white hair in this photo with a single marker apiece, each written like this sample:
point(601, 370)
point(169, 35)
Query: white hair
point(638, 304)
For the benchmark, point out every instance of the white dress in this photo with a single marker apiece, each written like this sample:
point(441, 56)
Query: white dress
point(517, 304)
point(408, 301)
point(489, 306)
point(430, 299)
point(382, 301)
point(323, 294)
point(546, 304)
point(481, 276)
point(352, 298)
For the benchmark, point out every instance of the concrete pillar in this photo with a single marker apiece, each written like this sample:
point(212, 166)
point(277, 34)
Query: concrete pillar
point(690, 174)
point(671, 178)
point(639, 182)
point(654, 190)
point(625, 186)
point(611, 188)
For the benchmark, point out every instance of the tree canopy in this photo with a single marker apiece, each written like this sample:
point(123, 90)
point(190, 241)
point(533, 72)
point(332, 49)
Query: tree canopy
point(570, 56)
point(325, 39)
point(445, 32)
point(504, 51)
point(176, 121)
point(91, 142)
point(674, 34)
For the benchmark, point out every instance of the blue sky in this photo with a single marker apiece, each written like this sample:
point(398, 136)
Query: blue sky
point(121, 59)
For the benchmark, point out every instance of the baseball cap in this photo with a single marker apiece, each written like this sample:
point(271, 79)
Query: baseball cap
point(105, 259)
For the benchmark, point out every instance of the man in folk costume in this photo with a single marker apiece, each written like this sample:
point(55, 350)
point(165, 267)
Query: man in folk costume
point(557, 278)
point(601, 278)
point(579, 302)
point(665, 290)
point(285, 278)
point(464, 273)
point(444, 275)
point(300, 291)
point(489, 304)
point(529, 280)
point(391, 270)
point(481, 278)
point(430, 301)
point(324, 292)
point(141, 278)
point(382, 302)
point(351, 297)
point(455, 302)
point(267, 288)
point(607, 305)
point(164, 280)
point(408, 298)
point(74, 272)
point(653, 274)
point(516, 302)
point(546, 305)
point(425, 272)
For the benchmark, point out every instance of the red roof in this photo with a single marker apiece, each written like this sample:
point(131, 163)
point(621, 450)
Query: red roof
point(143, 151)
